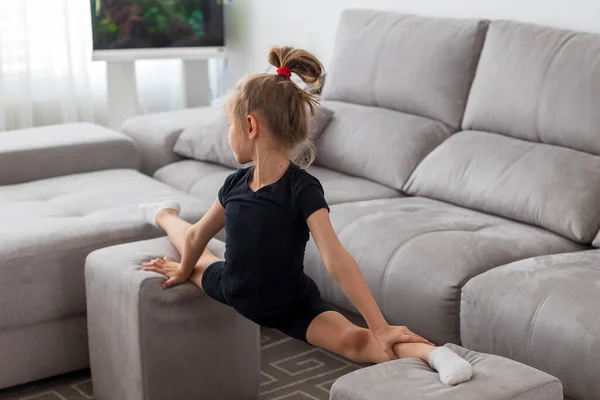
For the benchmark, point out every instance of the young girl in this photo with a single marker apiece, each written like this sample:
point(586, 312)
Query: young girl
point(268, 211)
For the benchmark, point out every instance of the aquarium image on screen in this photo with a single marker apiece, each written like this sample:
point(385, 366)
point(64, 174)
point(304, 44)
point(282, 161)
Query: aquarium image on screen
point(143, 24)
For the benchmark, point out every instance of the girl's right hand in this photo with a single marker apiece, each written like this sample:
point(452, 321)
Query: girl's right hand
point(388, 336)
point(169, 268)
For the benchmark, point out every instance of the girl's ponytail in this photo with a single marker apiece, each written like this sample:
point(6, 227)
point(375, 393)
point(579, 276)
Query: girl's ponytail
point(303, 64)
point(285, 106)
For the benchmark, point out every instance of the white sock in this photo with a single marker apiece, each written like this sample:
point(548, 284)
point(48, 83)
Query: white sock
point(453, 369)
point(150, 210)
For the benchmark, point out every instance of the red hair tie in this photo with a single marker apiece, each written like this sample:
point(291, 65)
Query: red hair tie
point(283, 71)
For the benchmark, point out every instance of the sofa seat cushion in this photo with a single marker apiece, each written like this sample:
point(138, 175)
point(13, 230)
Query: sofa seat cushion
point(542, 311)
point(418, 65)
point(49, 226)
point(380, 145)
point(548, 186)
point(417, 253)
point(203, 180)
point(198, 178)
point(342, 188)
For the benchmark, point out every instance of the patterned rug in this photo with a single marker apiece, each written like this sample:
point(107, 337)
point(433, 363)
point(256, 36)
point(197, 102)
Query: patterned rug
point(290, 370)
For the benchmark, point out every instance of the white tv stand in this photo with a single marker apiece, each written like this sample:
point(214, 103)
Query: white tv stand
point(120, 75)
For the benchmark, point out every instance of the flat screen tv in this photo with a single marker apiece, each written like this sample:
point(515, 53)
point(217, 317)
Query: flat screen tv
point(137, 29)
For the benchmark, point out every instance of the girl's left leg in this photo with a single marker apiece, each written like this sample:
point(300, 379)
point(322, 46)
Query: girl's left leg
point(333, 332)
point(166, 216)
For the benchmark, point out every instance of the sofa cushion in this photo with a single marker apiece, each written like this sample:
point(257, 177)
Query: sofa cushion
point(377, 144)
point(548, 186)
point(199, 178)
point(55, 150)
point(49, 226)
point(422, 66)
point(342, 188)
point(156, 134)
point(203, 180)
point(542, 311)
point(206, 139)
point(494, 378)
point(539, 84)
point(130, 318)
point(417, 253)
point(39, 351)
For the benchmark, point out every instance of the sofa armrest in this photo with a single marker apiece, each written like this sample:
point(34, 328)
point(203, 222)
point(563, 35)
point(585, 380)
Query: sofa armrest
point(56, 150)
point(156, 134)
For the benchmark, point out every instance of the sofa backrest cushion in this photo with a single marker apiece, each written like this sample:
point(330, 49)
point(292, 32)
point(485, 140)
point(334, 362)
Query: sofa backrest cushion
point(539, 84)
point(417, 65)
point(538, 90)
point(378, 144)
point(206, 138)
point(548, 186)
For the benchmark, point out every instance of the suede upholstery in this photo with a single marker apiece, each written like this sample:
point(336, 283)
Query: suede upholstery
point(542, 311)
point(342, 188)
point(380, 145)
point(548, 186)
point(538, 84)
point(156, 134)
point(495, 378)
point(49, 226)
point(203, 180)
point(56, 150)
point(206, 139)
point(44, 349)
point(199, 178)
point(401, 55)
point(150, 344)
point(417, 251)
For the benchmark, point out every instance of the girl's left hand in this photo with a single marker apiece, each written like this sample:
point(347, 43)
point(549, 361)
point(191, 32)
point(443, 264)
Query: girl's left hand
point(388, 336)
point(169, 268)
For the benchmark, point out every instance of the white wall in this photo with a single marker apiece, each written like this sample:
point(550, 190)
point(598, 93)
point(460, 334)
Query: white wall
point(255, 25)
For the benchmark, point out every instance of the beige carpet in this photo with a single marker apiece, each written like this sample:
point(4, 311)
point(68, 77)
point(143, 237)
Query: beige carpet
point(290, 370)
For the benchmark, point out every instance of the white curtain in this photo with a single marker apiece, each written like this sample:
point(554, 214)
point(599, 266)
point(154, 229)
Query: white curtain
point(46, 72)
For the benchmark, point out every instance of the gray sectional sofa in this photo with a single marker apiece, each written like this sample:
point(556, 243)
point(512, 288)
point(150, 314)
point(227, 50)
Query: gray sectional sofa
point(65, 191)
point(462, 164)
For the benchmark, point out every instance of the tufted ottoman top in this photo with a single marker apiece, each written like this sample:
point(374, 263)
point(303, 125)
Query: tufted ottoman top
point(50, 225)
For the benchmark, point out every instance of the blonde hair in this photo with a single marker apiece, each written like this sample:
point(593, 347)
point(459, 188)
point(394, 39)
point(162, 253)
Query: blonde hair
point(281, 103)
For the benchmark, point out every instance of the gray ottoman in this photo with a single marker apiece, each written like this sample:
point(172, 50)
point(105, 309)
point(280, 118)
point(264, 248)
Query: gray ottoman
point(154, 344)
point(495, 378)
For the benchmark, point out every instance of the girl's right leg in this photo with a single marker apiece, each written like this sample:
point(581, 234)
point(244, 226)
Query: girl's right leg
point(333, 332)
point(176, 228)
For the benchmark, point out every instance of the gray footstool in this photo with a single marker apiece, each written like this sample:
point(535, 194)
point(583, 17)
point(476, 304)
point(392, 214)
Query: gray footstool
point(495, 378)
point(154, 344)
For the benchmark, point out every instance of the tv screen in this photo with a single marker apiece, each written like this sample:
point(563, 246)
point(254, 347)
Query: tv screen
point(154, 24)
